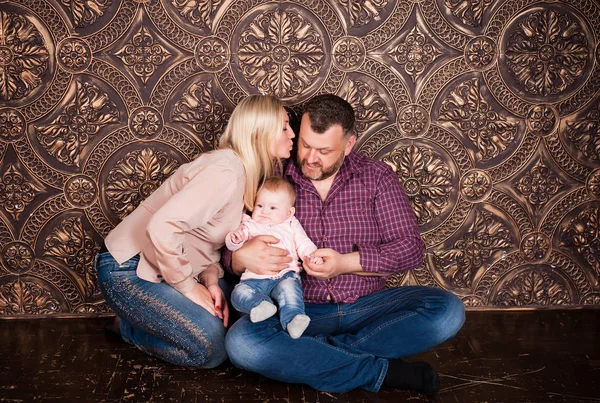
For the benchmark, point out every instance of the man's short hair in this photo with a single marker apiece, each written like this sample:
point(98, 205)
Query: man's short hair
point(277, 183)
point(327, 110)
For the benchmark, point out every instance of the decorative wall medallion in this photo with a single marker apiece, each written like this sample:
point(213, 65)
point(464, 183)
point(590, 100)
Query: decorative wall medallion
point(470, 12)
point(81, 191)
point(362, 12)
point(20, 297)
point(136, 177)
point(348, 53)
point(288, 62)
point(143, 54)
point(481, 53)
point(476, 186)
point(76, 248)
point(23, 57)
point(198, 12)
point(539, 184)
point(534, 286)
point(584, 133)
point(466, 109)
point(535, 247)
point(12, 124)
point(593, 184)
point(212, 54)
point(86, 12)
point(460, 264)
point(583, 234)
point(16, 192)
point(547, 51)
point(199, 109)
point(146, 122)
point(542, 120)
point(427, 179)
point(369, 107)
point(17, 257)
point(415, 53)
point(413, 120)
point(74, 55)
point(82, 117)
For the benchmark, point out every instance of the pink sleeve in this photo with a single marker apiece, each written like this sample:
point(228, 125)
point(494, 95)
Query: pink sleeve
point(304, 246)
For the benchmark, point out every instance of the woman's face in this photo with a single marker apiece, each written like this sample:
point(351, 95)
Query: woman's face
point(282, 145)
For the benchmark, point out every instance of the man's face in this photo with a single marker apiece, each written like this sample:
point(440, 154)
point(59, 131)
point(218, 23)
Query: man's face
point(320, 155)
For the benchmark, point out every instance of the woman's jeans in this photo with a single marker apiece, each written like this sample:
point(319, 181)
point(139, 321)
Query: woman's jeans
point(347, 346)
point(158, 319)
point(287, 291)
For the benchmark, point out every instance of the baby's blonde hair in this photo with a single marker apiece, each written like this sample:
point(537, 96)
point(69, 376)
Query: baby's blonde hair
point(254, 124)
point(277, 183)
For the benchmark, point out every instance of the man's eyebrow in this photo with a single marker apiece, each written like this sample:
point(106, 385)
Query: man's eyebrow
point(319, 149)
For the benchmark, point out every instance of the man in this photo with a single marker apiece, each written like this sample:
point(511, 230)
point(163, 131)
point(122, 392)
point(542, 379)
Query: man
point(356, 211)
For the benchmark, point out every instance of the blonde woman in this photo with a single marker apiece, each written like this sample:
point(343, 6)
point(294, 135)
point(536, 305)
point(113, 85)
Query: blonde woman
point(159, 269)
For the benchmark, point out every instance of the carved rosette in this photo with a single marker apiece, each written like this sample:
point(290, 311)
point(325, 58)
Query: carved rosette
point(535, 247)
point(17, 257)
point(136, 177)
point(212, 54)
point(81, 191)
point(23, 57)
point(582, 234)
point(534, 286)
point(476, 186)
point(12, 124)
point(146, 122)
point(481, 53)
point(16, 192)
point(542, 120)
point(143, 54)
point(415, 53)
point(348, 53)
point(539, 184)
point(74, 55)
point(22, 297)
point(413, 120)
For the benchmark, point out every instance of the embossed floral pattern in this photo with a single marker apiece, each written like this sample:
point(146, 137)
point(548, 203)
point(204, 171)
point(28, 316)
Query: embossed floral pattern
point(74, 54)
point(135, 177)
point(533, 287)
point(415, 53)
point(281, 53)
point(413, 120)
point(583, 234)
point(12, 124)
point(212, 54)
point(81, 118)
point(470, 12)
point(198, 12)
point(23, 57)
point(368, 105)
point(535, 246)
point(22, 297)
point(547, 52)
point(16, 192)
point(348, 53)
point(70, 243)
point(476, 185)
point(466, 109)
point(480, 52)
point(81, 191)
point(466, 258)
point(362, 12)
point(539, 184)
point(18, 257)
point(199, 109)
point(426, 178)
point(86, 12)
point(585, 134)
point(143, 55)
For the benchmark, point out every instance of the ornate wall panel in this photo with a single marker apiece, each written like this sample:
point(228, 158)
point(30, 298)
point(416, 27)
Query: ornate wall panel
point(488, 112)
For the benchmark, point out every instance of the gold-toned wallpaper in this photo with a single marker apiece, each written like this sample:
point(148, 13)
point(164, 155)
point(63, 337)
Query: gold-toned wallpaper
point(488, 111)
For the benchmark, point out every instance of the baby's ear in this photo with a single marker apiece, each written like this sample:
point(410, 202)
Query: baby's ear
point(291, 211)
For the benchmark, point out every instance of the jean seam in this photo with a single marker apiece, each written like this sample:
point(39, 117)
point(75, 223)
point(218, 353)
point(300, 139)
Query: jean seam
point(382, 375)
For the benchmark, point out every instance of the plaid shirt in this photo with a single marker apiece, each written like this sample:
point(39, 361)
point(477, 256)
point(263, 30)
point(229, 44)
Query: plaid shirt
point(367, 211)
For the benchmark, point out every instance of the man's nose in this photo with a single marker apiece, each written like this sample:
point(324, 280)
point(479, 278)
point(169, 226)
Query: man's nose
point(312, 156)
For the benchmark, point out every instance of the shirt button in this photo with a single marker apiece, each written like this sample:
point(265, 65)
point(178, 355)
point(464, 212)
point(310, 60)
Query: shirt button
point(329, 287)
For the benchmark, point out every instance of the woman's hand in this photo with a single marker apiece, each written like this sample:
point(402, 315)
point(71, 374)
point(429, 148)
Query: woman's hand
point(220, 303)
point(202, 296)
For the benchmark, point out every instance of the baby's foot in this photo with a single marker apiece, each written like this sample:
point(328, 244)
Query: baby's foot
point(297, 326)
point(262, 311)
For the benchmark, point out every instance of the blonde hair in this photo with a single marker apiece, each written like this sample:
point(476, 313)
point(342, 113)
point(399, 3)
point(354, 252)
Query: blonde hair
point(254, 125)
point(276, 183)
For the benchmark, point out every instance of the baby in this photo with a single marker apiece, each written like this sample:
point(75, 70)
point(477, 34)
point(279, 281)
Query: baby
point(273, 214)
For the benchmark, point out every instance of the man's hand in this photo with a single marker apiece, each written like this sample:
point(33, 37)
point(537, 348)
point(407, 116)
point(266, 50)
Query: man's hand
point(260, 257)
point(334, 264)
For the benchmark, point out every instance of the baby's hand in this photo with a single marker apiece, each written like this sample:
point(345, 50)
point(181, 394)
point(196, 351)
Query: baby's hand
point(237, 236)
point(314, 259)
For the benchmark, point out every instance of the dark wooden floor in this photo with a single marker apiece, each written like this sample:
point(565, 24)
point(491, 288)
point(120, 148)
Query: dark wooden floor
point(535, 356)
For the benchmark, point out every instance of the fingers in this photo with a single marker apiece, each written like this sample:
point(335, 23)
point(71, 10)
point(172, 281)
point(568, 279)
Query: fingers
point(225, 316)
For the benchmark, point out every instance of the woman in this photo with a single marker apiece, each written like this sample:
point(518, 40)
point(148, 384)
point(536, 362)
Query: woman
point(159, 270)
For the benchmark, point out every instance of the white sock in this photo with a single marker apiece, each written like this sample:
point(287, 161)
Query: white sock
point(297, 326)
point(262, 311)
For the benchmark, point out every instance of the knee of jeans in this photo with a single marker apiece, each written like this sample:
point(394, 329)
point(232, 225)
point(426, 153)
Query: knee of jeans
point(243, 352)
point(211, 350)
point(450, 318)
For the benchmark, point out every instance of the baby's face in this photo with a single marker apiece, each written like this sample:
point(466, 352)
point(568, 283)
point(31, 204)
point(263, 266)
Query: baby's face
point(272, 207)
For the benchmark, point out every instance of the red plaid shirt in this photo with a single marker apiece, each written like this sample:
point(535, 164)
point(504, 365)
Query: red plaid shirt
point(367, 211)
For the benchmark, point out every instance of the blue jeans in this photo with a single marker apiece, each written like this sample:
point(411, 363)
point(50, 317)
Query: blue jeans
point(286, 290)
point(347, 346)
point(158, 319)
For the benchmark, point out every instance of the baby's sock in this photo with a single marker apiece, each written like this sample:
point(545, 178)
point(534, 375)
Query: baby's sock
point(419, 376)
point(297, 326)
point(262, 311)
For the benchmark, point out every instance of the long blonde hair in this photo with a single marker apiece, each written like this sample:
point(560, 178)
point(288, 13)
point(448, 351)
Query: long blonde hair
point(254, 125)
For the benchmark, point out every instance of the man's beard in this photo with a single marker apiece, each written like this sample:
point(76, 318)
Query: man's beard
point(325, 172)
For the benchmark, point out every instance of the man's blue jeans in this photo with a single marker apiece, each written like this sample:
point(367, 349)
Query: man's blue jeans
point(158, 319)
point(347, 346)
point(287, 291)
